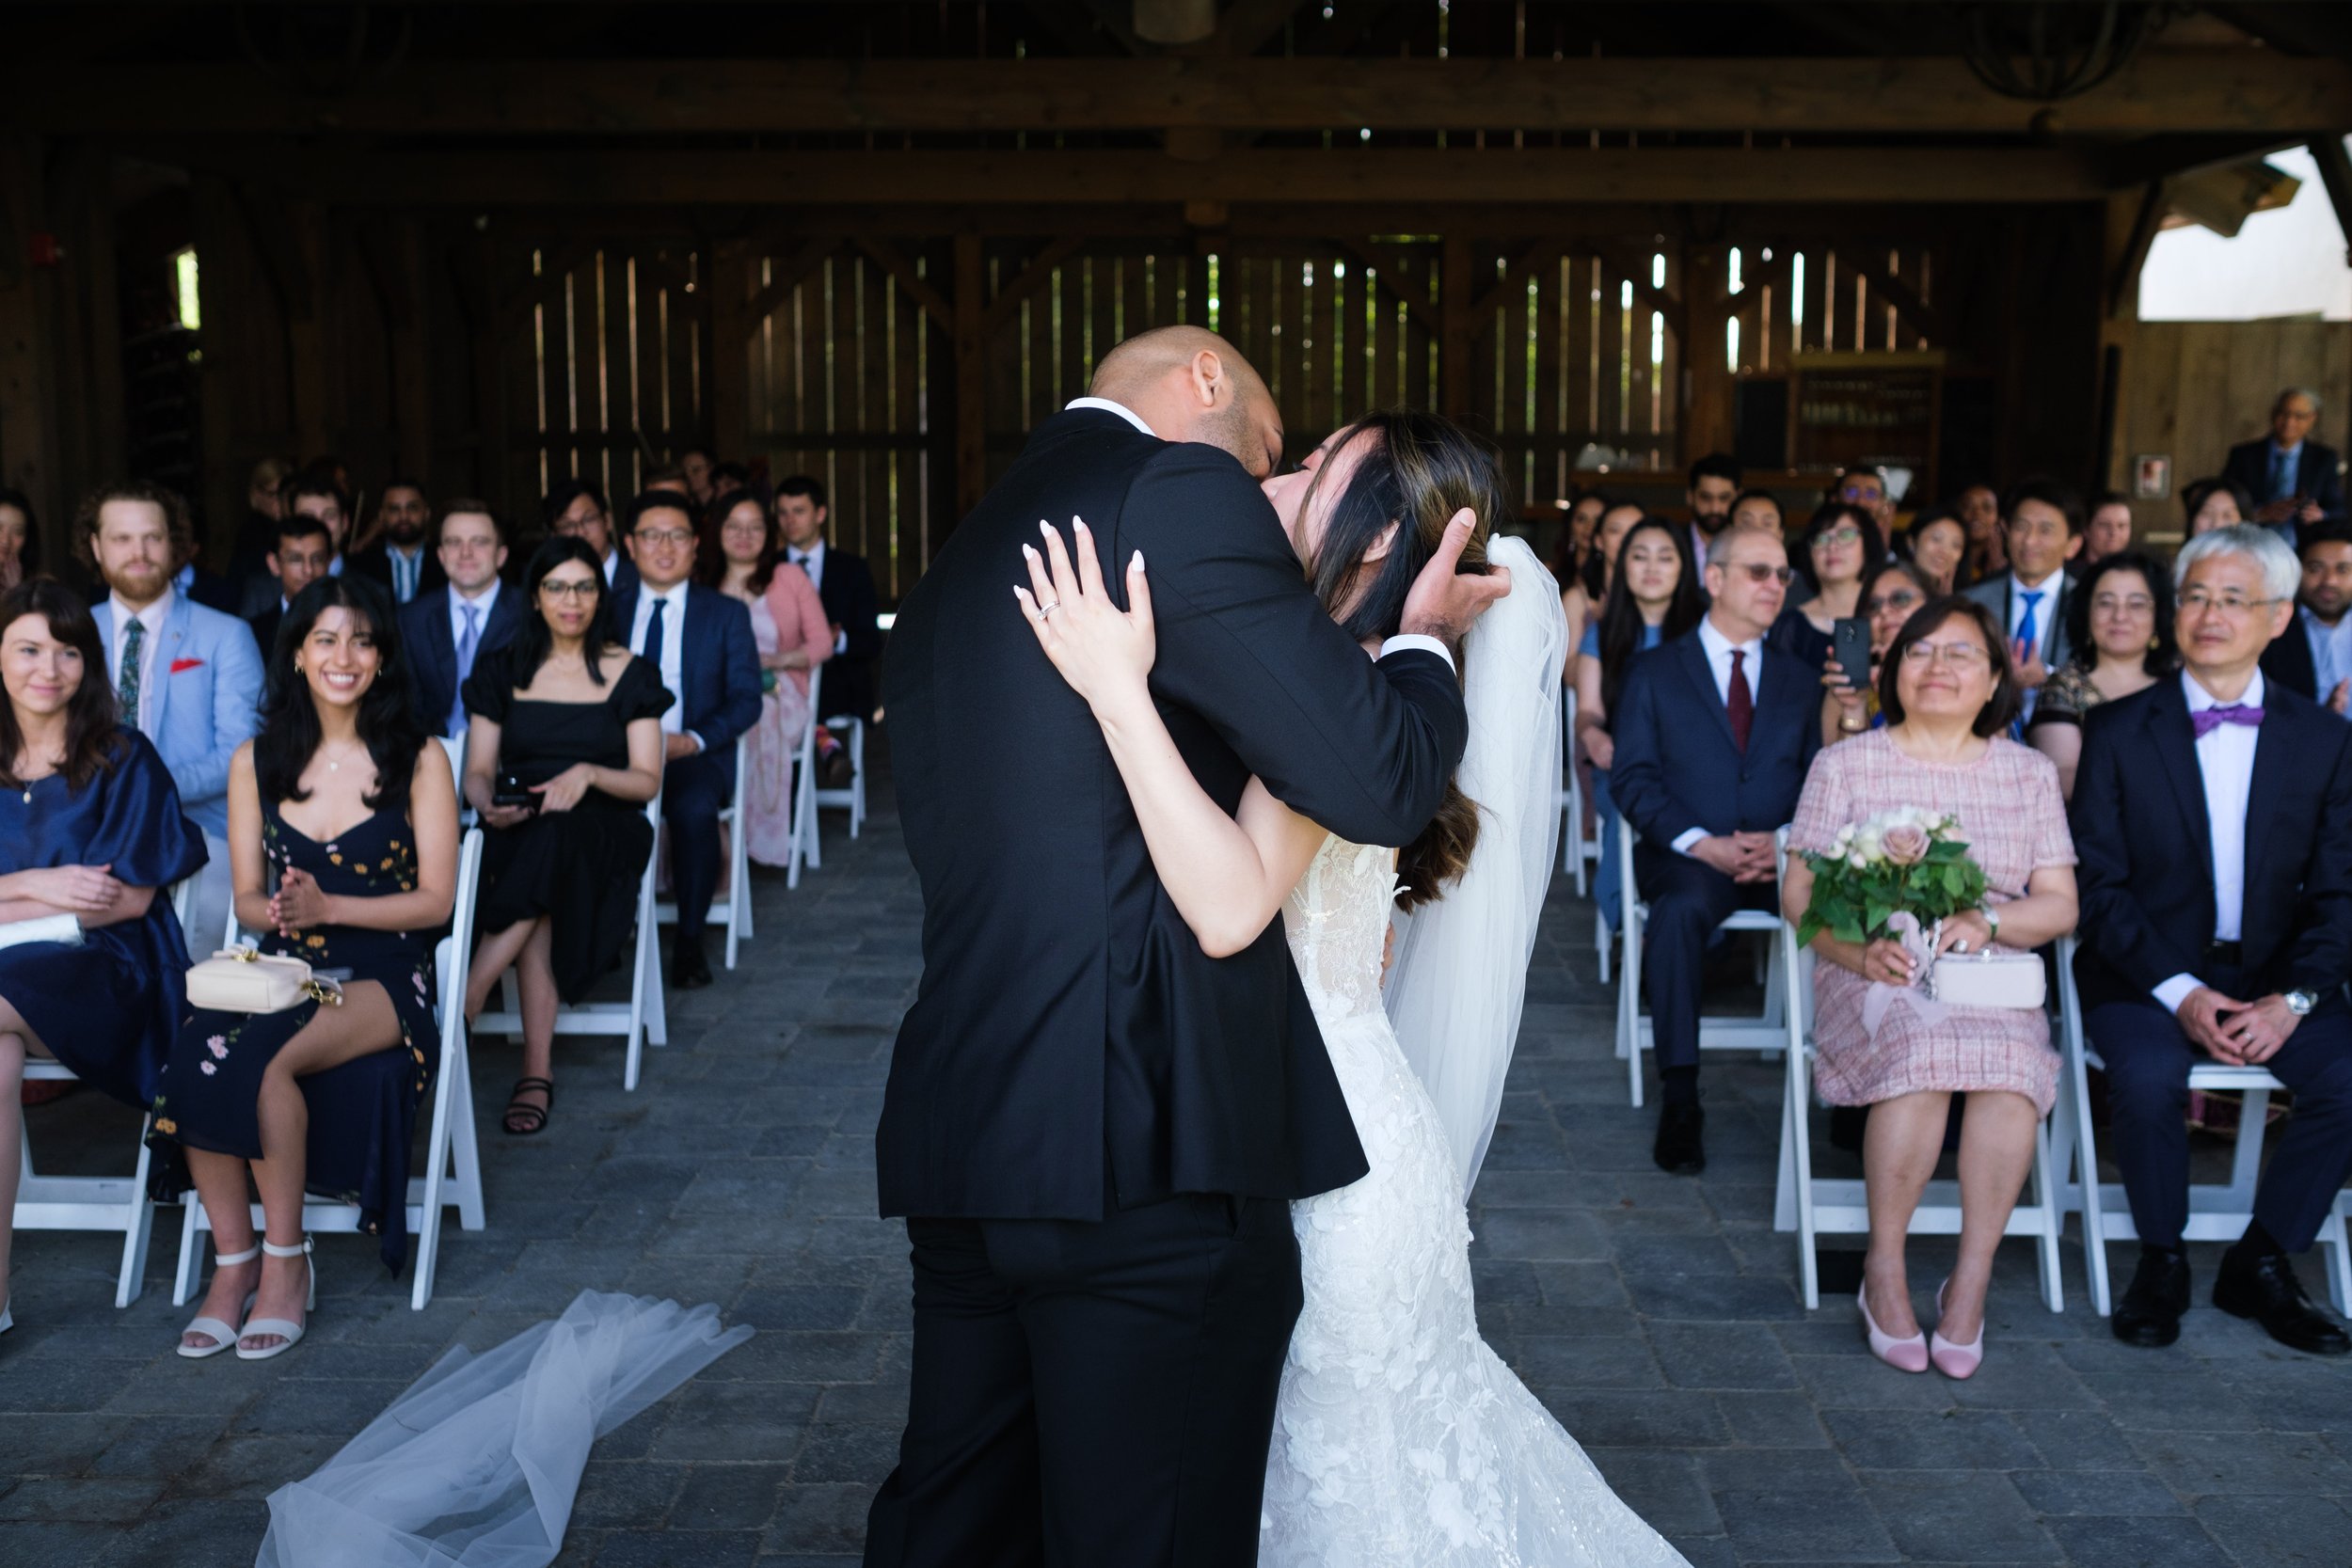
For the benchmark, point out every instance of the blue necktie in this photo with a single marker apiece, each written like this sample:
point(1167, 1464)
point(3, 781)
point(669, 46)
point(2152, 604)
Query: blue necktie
point(2280, 486)
point(467, 645)
point(653, 637)
point(2029, 630)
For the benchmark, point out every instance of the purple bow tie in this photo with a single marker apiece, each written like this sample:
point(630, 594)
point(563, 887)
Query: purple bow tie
point(2206, 720)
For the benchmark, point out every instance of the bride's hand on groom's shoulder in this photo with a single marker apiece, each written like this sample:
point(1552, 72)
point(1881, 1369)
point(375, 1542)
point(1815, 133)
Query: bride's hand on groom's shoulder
point(1104, 652)
point(1444, 601)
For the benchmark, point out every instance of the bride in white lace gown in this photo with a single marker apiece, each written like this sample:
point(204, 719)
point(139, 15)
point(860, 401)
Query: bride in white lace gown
point(1401, 1439)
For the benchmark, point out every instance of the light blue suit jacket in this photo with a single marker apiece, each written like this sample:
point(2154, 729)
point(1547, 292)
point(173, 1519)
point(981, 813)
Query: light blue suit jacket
point(207, 694)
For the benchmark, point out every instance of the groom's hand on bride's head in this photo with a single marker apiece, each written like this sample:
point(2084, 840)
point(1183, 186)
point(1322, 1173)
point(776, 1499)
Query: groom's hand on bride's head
point(1444, 600)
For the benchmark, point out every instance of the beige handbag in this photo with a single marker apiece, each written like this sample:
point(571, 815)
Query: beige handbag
point(1986, 979)
point(243, 980)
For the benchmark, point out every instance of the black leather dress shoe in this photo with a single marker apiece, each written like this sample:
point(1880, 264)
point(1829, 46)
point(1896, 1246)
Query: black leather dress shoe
point(1681, 1147)
point(689, 968)
point(2263, 1287)
point(2149, 1312)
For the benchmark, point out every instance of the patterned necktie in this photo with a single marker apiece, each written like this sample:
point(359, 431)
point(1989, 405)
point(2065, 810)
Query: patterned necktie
point(2205, 721)
point(127, 678)
point(467, 646)
point(1740, 706)
point(653, 637)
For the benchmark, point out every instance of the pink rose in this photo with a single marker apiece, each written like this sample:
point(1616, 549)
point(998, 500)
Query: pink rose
point(1904, 845)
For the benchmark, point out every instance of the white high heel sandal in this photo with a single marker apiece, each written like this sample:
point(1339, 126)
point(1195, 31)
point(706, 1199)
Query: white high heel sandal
point(290, 1333)
point(222, 1334)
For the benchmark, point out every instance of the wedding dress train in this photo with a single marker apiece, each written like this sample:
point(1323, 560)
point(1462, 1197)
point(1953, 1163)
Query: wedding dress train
point(1401, 1440)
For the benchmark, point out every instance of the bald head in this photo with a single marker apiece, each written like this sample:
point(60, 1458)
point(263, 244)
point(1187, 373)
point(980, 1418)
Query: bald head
point(1190, 384)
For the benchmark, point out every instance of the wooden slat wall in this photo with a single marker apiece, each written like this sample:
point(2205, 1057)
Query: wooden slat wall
point(1833, 306)
point(2193, 390)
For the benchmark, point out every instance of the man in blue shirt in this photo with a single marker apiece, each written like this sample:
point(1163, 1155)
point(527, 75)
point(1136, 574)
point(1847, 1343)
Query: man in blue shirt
point(2294, 479)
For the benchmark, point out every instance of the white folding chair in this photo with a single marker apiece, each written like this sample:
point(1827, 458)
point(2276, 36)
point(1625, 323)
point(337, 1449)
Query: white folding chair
point(2217, 1212)
point(453, 1167)
point(1766, 1031)
point(851, 799)
point(1813, 1207)
point(731, 818)
point(643, 1020)
point(803, 849)
point(1572, 806)
point(113, 1204)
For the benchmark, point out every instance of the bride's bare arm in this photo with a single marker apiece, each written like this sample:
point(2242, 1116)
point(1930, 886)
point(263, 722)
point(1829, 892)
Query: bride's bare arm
point(1226, 876)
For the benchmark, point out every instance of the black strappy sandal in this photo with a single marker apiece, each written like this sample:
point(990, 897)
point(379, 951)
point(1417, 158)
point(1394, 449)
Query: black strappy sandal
point(522, 1119)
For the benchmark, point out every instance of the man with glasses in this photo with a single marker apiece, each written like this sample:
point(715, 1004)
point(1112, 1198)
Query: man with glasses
point(2293, 481)
point(2313, 656)
point(1714, 733)
point(2042, 530)
point(2213, 815)
point(701, 641)
point(575, 509)
point(1867, 489)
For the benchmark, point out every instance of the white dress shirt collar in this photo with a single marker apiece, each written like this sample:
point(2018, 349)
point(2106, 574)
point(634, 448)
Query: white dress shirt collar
point(483, 603)
point(1719, 648)
point(2200, 699)
point(153, 618)
point(612, 566)
point(1107, 406)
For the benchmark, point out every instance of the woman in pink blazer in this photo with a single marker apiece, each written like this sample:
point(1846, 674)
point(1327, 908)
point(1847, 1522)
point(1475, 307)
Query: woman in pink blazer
point(742, 554)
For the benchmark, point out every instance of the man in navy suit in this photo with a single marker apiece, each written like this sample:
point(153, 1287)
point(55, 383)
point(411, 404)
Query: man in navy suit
point(1714, 733)
point(2212, 816)
point(2292, 478)
point(576, 509)
point(845, 586)
point(447, 628)
point(701, 641)
point(303, 549)
point(402, 558)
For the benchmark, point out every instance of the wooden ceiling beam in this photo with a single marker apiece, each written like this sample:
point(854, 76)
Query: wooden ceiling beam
point(1548, 177)
point(2254, 90)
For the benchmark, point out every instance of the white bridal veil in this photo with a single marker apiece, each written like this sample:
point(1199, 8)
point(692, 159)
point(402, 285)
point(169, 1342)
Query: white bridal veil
point(1459, 981)
point(475, 1465)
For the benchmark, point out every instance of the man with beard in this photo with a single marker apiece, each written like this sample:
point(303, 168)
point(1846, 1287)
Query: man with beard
point(189, 678)
point(2313, 656)
point(1714, 485)
point(398, 558)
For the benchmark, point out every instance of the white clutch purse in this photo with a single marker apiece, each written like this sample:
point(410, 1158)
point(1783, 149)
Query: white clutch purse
point(1986, 979)
point(63, 929)
point(242, 980)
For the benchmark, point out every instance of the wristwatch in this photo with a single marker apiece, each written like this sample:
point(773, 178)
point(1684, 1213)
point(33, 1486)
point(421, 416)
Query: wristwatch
point(1992, 921)
point(2300, 1002)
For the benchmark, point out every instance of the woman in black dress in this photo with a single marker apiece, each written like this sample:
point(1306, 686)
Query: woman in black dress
point(576, 719)
point(347, 799)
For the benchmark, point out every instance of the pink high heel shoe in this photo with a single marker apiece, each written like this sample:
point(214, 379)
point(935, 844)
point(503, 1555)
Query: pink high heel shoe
point(1904, 1355)
point(1958, 1362)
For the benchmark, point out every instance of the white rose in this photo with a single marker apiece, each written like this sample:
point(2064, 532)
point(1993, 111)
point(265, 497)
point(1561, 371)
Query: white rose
point(1868, 845)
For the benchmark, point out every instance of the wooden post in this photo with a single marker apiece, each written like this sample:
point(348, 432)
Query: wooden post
point(971, 310)
point(1456, 287)
point(731, 327)
point(1706, 412)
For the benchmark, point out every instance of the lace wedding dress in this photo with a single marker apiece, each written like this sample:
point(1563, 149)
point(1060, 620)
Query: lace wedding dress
point(1401, 1440)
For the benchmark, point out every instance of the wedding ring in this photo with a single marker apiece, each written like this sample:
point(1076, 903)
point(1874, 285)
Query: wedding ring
point(1960, 946)
point(1047, 609)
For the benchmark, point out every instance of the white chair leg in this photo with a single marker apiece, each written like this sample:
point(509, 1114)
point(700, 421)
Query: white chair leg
point(1601, 943)
point(2338, 1232)
point(857, 778)
point(1800, 1080)
point(191, 1251)
point(2046, 1192)
point(465, 1156)
point(138, 1225)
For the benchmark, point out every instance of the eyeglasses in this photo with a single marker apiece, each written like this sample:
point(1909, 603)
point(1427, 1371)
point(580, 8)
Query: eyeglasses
point(1845, 534)
point(586, 588)
point(2227, 604)
point(1960, 656)
point(1858, 493)
point(1759, 572)
point(2132, 603)
point(1904, 600)
point(664, 536)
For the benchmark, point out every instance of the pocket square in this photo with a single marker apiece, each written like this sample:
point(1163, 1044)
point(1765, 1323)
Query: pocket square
point(179, 664)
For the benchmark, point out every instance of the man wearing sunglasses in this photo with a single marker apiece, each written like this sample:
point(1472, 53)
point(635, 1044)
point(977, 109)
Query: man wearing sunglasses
point(1714, 733)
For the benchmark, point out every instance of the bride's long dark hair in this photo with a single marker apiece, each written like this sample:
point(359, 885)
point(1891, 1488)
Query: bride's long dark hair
point(1419, 472)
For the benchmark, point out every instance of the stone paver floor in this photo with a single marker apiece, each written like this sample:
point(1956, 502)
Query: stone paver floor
point(1656, 1316)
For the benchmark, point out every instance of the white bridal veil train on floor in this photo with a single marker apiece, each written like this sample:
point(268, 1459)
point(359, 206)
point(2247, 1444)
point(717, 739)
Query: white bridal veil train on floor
point(475, 1465)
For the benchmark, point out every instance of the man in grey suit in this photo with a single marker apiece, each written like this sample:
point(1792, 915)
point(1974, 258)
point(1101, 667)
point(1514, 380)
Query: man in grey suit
point(2042, 525)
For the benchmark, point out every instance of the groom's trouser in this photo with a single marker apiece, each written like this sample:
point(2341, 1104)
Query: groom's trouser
point(1091, 1394)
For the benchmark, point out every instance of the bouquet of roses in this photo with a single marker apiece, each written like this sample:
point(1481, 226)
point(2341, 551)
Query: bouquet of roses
point(1907, 861)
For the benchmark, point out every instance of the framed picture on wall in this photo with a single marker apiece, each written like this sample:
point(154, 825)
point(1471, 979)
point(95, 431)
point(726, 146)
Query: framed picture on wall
point(2152, 477)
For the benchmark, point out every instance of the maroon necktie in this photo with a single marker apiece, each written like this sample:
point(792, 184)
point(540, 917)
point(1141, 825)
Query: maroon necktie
point(1740, 704)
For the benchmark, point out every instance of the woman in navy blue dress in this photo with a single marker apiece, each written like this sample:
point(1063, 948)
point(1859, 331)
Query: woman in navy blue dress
point(347, 799)
point(89, 826)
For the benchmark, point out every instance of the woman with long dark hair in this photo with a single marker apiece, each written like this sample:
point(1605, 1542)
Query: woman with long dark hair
point(1892, 592)
point(742, 554)
point(1581, 599)
point(1390, 1400)
point(1841, 546)
point(1653, 596)
point(572, 719)
point(90, 834)
point(344, 801)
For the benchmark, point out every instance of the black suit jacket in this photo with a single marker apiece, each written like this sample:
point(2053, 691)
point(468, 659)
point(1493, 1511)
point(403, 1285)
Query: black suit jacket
point(2316, 474)
point(851, 603)
point(2146, 876)
point(719, 665)
point(432, 649)
point(375, 563)
point(265, 629)
point(1071, 1049)
point(1677, 767)
point(2288, 660)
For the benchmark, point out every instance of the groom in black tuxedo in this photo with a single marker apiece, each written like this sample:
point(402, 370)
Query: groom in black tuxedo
point(1093, 1127)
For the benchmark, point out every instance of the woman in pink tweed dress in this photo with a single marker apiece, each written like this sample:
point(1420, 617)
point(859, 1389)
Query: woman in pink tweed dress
point(1949, 692)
